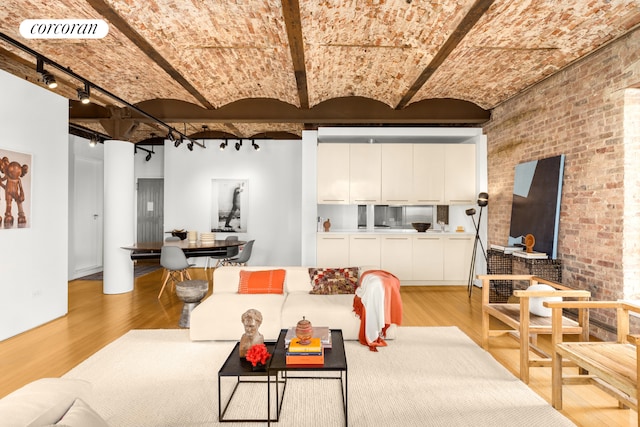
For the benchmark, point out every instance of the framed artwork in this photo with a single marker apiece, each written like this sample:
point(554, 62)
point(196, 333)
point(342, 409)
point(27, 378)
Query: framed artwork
point(15, 189)
point(229, 205)
point(537, 190)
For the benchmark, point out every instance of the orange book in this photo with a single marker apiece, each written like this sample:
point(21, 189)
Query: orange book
point(305, 359)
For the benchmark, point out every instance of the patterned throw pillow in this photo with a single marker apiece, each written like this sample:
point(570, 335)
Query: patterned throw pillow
point(328, 281)
point(261, 282)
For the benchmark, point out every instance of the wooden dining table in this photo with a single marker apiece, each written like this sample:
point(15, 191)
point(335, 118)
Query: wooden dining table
point(151, 250)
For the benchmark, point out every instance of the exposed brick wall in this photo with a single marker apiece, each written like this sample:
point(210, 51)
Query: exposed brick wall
point(579, 112)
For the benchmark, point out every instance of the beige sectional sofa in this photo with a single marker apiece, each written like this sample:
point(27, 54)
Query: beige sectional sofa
point(218, 317)
point(50, 402)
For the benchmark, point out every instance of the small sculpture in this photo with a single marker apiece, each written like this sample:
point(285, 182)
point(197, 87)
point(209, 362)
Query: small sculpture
point(13, 191)
point(304, 331)
point(251, 319)
point(327, 225)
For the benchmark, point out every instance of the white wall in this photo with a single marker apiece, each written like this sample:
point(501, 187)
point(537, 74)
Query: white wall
point(274, 211)
point(33, 260)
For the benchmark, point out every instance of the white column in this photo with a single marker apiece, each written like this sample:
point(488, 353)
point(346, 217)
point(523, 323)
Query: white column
point(119, 213)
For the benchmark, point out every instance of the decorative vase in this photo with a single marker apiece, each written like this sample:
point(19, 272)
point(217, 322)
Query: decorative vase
point(304, 331)
point(327, 225)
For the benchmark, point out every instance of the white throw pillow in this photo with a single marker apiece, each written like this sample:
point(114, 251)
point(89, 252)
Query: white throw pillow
point(535, 303)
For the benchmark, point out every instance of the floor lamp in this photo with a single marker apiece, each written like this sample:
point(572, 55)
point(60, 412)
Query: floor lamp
point(483, 200)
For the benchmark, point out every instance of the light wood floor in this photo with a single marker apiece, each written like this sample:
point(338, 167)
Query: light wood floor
point(95, 320)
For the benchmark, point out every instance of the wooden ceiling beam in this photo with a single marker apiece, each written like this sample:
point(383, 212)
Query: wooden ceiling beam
point(476, 12)
point(291, 13)
point(116, 20)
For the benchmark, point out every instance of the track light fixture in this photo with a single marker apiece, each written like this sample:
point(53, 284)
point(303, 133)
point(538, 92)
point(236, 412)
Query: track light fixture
point(255, 146)
point(170, 137)
point(177, 142)
point(238, 145)
point(190, 146)
point(223, 145)
point(149, 152)
point(93, 141)
point(148, 157)
point(84, 95)
point(47, 78)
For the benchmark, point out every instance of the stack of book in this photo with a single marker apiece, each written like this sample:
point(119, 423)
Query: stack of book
point(311, 353)
point(321, 332)
point(531, 255)
point(507, 249)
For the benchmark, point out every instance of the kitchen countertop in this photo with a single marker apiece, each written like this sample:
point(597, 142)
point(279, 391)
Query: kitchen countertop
point(386, 231)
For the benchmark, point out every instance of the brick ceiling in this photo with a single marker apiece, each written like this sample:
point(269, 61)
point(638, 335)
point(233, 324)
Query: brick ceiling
point(271, 68)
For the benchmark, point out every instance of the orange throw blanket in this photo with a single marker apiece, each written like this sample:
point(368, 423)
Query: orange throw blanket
point(378, 304)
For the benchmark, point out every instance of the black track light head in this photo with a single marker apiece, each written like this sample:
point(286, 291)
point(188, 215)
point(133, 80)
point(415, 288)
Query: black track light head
point(255, 146)
point(84, 95)
point(148, 157)
point(223, 145)
point(238, 145)
point(190, 146)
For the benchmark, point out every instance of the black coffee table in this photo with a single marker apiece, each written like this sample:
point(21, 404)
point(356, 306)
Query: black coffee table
point(335, 360)
point(243, 372)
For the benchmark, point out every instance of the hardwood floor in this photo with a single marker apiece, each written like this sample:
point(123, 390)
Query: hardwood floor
point(95, 319)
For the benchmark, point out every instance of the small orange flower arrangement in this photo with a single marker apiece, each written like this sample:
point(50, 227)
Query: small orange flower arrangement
point(258, 353)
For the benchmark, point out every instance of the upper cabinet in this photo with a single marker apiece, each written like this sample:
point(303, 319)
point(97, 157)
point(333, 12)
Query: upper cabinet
point(397, 174)
point(333, 173)
point(428, 174)
point(365, 174)
point(460, 174)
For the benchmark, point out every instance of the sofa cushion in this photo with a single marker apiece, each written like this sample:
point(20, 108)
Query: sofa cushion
point(536, 303)
point(261, 282)
point(41, 402)
point(219, 317)
point(81, 415)
point(330, 281)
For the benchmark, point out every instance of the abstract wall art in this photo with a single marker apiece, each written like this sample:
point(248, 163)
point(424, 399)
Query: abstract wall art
point(537, 191)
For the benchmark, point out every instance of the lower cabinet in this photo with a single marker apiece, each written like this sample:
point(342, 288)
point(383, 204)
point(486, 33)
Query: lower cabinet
point(422, 257)
point(428, 257)
point(332, 250)
point(457, 257)
point(364, 250)
point(395, 256)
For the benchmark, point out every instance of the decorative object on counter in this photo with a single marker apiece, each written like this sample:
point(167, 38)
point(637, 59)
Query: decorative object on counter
point(258, 356)
point(460, 228)
point(421, 227)
point(192, 236)
point(251, 319)
point(529, 242)
point(483, 200)
point(326, 225)
point(304, 331)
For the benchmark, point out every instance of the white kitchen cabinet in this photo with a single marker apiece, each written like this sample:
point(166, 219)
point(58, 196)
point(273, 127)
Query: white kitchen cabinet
point(332, 250)
point(395, 256)
point(365, 173)
point(428, 174)
point(460, 174)
point(457, 257)
point(397, 174)
point(364, 250)
point(333, 173)
point(428, 257)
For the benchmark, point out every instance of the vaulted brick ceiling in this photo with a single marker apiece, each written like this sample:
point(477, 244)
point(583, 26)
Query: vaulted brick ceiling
point(248, 68)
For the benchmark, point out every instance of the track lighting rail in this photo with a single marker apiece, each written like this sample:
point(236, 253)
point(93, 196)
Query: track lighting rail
point(89, 84)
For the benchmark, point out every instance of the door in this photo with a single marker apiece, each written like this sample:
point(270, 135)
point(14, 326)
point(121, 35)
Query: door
point(87, 223)
point(150, 210)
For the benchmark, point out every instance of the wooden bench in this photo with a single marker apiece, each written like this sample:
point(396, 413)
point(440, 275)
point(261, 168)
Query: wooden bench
point(612, 366)
point(522, 323)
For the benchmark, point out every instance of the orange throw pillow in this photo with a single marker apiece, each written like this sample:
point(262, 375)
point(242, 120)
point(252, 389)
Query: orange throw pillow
point(261, 282)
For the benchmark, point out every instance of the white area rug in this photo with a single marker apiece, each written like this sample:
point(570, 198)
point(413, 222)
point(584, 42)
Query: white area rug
point(426, 377)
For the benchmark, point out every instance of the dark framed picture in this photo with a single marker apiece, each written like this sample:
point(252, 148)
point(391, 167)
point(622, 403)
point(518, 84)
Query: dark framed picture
point(229, 205)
